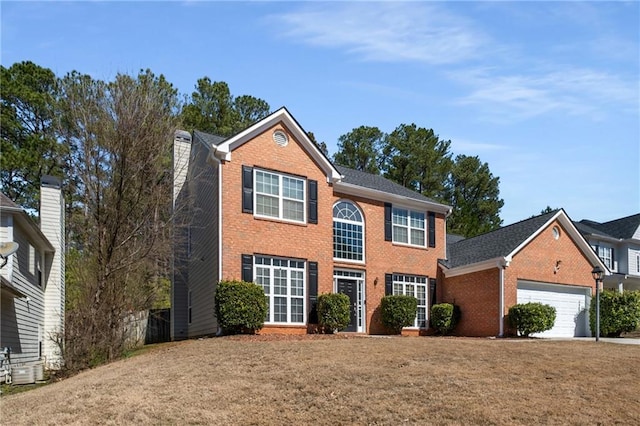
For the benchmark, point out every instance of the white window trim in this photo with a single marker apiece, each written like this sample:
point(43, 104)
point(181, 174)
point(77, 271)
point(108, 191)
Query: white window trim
point(604, 253)
point(272, 295)
point(426, 296)
point(409, 227)
point(364, 235)
point(280, 197)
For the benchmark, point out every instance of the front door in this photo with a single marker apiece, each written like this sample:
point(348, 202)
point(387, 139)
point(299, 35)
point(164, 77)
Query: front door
point(350, 288)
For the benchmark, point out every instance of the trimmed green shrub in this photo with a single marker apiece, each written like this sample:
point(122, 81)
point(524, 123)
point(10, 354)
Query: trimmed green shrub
point(529, 318)
point(241, 307)
point(398, 311)
point(444, 317)
point(619, 313)
point(334, 311)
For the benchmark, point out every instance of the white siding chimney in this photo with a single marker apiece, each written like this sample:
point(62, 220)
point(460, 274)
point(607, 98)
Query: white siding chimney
point(52, 226)
point(181, 153)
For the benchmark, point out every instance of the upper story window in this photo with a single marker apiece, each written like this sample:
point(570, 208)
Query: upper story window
point(279, 196)
point(348, 232)
point(409, 227)
point(606, 255)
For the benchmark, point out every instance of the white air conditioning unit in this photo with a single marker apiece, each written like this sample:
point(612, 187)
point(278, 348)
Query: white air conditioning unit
point(22, 375)
point(38, 371)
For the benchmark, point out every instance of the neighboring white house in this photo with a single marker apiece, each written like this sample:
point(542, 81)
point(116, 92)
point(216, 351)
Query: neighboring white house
point(617, 243)
point(33, 286)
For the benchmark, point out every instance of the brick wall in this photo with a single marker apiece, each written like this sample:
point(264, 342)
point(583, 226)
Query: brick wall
point(478, 293)
point(242, 233)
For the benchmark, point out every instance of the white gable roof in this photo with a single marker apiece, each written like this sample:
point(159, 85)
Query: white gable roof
point(223, 151)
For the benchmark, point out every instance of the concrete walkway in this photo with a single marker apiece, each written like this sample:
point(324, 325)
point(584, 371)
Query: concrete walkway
point(618, 340)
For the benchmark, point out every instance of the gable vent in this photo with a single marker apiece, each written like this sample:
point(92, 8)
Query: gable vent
point(280, 138)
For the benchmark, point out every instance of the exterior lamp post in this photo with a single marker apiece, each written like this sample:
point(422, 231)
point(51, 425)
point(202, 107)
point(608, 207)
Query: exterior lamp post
point(597, 275)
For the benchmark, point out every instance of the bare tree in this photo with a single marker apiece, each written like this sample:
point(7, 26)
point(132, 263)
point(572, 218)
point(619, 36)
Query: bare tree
point(120, 136)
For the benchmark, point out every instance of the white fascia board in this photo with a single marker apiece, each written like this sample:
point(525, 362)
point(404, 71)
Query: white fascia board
point(573, 232)
point(375, 194)
point(32, 231)
point(496, 262)
point(224, 149)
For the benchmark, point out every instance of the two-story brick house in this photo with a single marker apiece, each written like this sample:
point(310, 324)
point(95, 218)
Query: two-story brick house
point(617, 243)
point(267, 206)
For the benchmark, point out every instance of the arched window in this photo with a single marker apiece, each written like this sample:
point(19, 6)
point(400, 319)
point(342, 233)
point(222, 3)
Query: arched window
point(348, 232)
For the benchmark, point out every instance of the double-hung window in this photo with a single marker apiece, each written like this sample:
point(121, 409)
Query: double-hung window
point(606, 255)
point(283, 282)
point(415, 286)
point(409, 227)
point(279, 196)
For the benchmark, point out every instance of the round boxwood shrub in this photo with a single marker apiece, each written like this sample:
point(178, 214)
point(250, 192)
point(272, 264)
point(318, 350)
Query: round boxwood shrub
point(444, 317)
point(529, 318)
point(241, 307)
point(398, 311)
point(334, 311)
point(619, 312)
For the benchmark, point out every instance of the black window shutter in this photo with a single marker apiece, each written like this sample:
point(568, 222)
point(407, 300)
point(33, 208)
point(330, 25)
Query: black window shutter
point(432, 229)
point(247, 189)
point(432, 292)
point(313, 292)
point(613, 258)
point(247, 268)
point(313, 200)
point(387, 222)
point(388, 284)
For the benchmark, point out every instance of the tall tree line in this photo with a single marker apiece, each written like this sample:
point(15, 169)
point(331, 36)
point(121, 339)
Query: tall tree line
point(110, 142)
point(418, 159)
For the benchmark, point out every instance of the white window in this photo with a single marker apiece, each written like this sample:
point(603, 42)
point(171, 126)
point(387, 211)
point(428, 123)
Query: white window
point(283, 282)
point(416, 286)
point(279, 196)
point(605, 254)
point(409, 227)
point(348, 232)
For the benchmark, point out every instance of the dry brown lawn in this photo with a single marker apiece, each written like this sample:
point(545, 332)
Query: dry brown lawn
point(348, 380)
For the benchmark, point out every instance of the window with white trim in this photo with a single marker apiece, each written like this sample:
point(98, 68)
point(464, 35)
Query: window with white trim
point(279, 196)
point(416, 286)
point(348, 232)
point(604, 253)
point(409, 227)
point(283, 282)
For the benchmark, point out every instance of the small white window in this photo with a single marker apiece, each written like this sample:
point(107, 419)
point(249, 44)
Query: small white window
point(409, 227)
point(556, 232)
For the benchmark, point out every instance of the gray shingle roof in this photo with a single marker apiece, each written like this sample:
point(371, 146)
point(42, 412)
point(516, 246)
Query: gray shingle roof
point(371, 181)
point(622, 228)
point(498, 243)
point(206, 138)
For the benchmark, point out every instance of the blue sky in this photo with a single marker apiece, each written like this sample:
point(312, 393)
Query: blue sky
point(547, 93)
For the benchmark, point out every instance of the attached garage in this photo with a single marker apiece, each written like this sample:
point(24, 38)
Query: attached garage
point(571, 303)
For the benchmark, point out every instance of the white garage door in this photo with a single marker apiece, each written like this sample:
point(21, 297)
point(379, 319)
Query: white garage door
point(571, 303)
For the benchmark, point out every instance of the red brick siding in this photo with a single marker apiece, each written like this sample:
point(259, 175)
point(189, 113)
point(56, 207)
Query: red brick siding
point(244, 234)
point(478, 296)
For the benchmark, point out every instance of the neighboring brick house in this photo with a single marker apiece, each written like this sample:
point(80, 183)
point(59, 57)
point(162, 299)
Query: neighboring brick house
point(542, 259)
point(617, 243)
point(32, 280)
point(266, 205)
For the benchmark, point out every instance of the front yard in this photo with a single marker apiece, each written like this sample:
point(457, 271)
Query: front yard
point(348, 380)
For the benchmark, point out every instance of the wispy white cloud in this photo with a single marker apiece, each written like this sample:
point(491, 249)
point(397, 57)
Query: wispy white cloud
point(386, 32)
point(574, 91)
